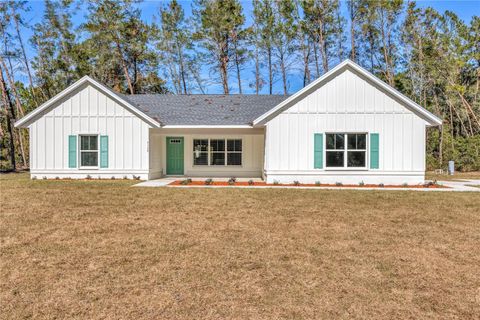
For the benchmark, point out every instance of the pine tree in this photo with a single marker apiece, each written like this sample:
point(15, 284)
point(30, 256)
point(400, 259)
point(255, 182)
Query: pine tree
point(175, 46)
point(216, 22)
point(119, 45)
point(16, 10)
point(55, 43)
point(321, 22)
point(304, 42)
point(285, 36)
point(264, 27)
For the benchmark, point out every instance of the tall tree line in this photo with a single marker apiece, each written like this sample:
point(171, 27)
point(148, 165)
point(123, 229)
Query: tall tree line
point(259, 46)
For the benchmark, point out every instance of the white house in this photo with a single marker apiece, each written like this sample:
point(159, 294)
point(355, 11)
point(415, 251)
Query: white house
point(347, 126)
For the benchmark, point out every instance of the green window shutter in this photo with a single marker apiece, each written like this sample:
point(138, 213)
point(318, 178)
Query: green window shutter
point(103, 151)
point(374, 150)
point(72, 151)
point(318, 150)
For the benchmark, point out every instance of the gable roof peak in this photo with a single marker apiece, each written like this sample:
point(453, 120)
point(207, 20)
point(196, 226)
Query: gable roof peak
point(45, 107)
point(431, 119)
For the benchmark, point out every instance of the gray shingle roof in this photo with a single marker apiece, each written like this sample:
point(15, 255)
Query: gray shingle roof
point(200, 109)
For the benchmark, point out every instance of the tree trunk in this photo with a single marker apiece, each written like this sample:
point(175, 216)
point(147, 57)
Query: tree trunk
point(9, 116)
point(458, 115)
point(197, 78)
point(353, 54)
point(19, 109)
point(323, 51)
point(182, 68)
point(24, 54)
point(237, 65)
point(223, 66)
point(372, 52)
point(469, 108)
point(386, 54)
point(257, 71)
point(14, 88)
point(124, 66)
point(315, 55)
point(306, 58)
point(270, 71)
point(284, 74)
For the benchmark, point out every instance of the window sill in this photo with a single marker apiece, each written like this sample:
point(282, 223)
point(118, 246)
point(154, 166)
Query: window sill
point(216, 166)
point(346, 169)
point(88, 168)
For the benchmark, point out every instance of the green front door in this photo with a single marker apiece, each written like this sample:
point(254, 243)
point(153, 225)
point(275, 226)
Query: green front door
point(175, 155)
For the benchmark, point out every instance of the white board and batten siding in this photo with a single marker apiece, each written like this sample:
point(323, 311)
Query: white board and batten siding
point(346, 104)
point(89, 111)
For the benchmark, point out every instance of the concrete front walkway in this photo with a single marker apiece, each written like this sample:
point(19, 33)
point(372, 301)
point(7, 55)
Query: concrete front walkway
point(462, 185)
point(156, 183)
point(167, 180)
point(455, 186)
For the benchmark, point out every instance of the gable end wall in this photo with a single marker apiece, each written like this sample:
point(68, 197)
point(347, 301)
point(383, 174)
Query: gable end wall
point(89, 111)
point(347, 103)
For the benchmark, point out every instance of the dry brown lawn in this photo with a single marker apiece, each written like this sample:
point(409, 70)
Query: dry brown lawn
point(104, 250)
point(457, 176)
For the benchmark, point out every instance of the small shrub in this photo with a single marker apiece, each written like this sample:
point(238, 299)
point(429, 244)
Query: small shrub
point(296, 183)
point(338, 184)
point(136, 177)
point(189, 180)
point(317, 183)
point(34, 178)
point(208, 182)
point(113, 178)
point(381, 185)
point(184, 182)
point(430, 183)
point(250, 182)
point(361, 183)
point(232, 181)
point(44, 178)
point(57, 178)
point(125, 178)
point(404, 184)
point(88, 177)
point(276, 182)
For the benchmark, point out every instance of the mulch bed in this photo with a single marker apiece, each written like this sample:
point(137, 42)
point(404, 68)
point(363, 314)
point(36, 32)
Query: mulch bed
point(263, 184)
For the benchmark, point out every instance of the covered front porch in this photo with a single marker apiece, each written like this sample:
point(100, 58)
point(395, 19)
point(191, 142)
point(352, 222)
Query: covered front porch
point(206, 152)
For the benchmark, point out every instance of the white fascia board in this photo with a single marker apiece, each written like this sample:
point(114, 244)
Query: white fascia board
point(32, 116)
point(207, 127)
point(431, 119)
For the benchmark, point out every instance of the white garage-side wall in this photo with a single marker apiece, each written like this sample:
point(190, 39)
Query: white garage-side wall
point(89, 111)
point(346, 104)
point(252, 151)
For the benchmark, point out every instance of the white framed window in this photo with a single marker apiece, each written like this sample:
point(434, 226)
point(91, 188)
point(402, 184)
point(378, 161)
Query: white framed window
point(89, 151)
point(200, 152)
point(217, 152)
point(346, 150)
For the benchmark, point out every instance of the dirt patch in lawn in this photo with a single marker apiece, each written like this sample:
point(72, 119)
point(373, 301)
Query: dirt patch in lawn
point(196, 183)
point(104, 250)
